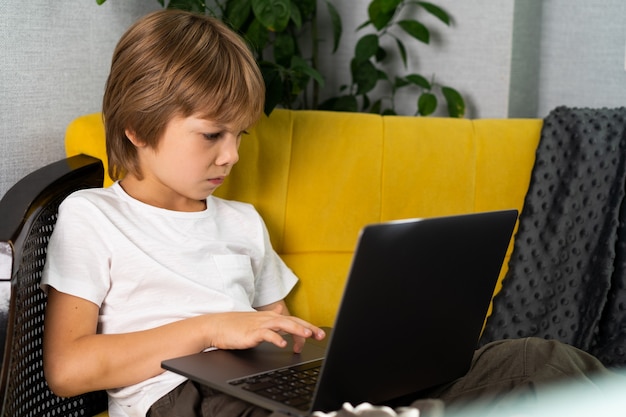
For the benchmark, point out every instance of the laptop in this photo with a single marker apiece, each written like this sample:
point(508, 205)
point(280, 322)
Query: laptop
point(410, 318)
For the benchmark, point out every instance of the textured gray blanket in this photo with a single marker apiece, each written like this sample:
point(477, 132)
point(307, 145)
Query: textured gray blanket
point(567, 273)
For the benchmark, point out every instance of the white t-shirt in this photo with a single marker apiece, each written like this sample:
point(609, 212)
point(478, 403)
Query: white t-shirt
point(146, 267)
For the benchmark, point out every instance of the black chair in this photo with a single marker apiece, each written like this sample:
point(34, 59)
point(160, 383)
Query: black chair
point(28, 213)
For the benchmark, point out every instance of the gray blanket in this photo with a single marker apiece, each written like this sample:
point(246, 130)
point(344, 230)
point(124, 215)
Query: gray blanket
point(567, 273)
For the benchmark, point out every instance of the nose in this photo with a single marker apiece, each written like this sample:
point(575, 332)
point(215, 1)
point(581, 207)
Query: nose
point(229, 151)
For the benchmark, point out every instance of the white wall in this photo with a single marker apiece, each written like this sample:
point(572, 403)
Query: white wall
point(583, 48)
point(55, 57)
point(514, 58)
point(473, 55)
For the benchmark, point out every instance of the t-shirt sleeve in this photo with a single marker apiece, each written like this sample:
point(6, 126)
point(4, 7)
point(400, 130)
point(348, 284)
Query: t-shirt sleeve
point(274, 280)
point(77, 261)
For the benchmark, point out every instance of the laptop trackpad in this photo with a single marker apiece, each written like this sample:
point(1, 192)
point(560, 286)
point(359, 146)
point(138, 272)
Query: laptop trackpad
point(224, 365)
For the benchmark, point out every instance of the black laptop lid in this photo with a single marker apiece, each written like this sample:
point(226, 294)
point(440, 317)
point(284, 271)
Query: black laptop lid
point(413, 306)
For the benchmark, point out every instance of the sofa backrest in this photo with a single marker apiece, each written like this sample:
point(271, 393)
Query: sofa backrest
point(318, 177)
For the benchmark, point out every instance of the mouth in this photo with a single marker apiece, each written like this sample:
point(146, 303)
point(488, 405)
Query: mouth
point(216, 180)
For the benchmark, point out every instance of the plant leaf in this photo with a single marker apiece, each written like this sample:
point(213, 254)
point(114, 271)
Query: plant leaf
point(296, 16)
point(238, 12)
point(388, 5)
point(298, 64)
point(362, 25)
point(366, 102)
point(328, 104)
point(284, 49)
point(101, 2)
point(402, 50)
point(307, 8)
point(197, 6)
point(366, 47)
point(426, 104)
point(436, 11)
point(400, 82)
point(419, 81)
point(382, 75)
point(364, 75)
point(335, 19)
point(415, 29)
point(456, 104)
point(273, 14)
point(274, 89)
point(382, 11)
point(341, 103)
point(346, 103)
point(381, 54)
point(377, 106)
point(258, 36)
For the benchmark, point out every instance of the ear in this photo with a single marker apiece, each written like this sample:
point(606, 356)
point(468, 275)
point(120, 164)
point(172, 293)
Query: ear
point(133, 138)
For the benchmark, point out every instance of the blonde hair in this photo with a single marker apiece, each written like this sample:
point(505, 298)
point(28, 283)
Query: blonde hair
point(174, 63)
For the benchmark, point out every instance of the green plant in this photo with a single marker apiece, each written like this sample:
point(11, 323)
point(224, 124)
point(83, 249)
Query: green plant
point(385, 17)
point(274, 29)
point(281, 32)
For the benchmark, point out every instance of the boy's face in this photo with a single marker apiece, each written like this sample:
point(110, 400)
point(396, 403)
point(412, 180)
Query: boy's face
point(192, 159)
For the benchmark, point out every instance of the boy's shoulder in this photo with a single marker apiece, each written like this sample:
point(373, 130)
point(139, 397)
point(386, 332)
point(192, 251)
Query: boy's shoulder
point(91, 200)
point(93, 194)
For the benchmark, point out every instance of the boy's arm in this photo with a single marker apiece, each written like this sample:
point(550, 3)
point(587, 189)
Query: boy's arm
point(78, 360)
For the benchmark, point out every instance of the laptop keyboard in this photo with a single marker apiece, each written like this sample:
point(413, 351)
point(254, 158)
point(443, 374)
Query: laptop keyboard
point(293, 386)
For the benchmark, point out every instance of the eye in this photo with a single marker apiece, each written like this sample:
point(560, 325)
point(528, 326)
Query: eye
point(212, 136)
point(215, 136)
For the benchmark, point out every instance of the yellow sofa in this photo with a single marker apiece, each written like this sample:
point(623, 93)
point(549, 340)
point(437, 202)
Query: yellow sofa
point(318, 177)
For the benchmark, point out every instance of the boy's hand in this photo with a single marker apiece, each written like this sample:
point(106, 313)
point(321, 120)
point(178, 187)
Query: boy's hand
point(242, 330)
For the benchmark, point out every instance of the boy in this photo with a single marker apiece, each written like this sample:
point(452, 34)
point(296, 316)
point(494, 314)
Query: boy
point(154, 267)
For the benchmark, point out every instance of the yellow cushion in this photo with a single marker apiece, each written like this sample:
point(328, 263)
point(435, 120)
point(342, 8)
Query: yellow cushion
point(334, 180)
point(86, 135)
point(317, 177)
point(505, 160)
point(429, 167)
point(322, 278)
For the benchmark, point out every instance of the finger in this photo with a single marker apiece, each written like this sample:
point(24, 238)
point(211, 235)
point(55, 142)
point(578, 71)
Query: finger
point(303, 328)
point(296, 327)
point(274, 338)
point(298, 343)
point(319, 334)
point(287, 324)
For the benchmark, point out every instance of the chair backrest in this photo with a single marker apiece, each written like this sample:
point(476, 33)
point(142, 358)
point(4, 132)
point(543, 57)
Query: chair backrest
point(28, 213)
